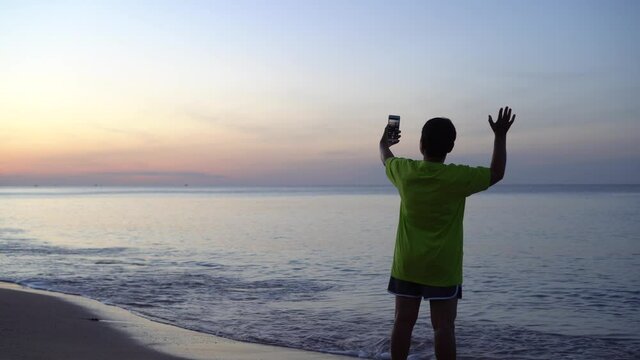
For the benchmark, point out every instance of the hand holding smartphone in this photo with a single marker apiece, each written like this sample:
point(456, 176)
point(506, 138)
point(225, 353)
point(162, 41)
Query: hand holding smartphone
point(393, 128)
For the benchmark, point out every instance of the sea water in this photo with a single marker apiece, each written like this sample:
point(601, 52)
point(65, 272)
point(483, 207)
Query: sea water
point(550, 271)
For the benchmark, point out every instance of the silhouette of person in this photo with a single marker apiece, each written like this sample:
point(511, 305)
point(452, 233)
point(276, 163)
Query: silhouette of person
point(427, 261)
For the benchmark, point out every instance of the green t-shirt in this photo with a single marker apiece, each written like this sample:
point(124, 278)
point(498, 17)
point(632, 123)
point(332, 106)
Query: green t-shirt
point(428, 246)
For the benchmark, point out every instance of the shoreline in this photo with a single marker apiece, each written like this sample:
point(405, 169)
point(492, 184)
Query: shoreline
point(36, 324)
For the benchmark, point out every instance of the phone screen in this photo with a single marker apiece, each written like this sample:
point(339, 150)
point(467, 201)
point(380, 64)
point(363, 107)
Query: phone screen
point(394, 121)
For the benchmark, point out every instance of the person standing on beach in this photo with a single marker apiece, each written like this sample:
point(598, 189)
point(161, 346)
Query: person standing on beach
point(427, 261)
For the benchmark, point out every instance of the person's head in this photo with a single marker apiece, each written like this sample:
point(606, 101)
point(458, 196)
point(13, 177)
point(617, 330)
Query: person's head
point(438, 136)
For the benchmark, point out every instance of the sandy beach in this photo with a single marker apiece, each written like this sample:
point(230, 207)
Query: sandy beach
point(38, 324)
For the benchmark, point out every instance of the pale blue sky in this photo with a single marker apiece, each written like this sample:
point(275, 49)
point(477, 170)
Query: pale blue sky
point(297, 92)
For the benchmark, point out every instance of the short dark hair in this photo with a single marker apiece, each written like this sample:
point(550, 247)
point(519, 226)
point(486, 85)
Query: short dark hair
point(438, 136)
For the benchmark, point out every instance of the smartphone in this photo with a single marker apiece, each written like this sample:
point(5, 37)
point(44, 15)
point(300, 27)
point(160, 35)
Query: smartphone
point(394, 126)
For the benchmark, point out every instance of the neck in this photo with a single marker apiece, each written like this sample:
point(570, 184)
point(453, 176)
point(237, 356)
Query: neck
point(434, 159)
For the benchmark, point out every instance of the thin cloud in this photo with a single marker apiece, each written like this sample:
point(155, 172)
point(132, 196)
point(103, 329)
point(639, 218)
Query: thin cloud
point(544, 76)
point(186, 174)
point(232, 122)
point(139, 134)
point(275, 132)
point(170, 178)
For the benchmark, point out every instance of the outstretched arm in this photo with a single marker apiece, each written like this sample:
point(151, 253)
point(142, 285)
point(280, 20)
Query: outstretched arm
point(500, 129)
point(386, 143)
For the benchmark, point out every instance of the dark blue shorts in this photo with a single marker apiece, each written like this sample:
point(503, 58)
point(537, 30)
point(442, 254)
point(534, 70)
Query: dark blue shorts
point(414, 290)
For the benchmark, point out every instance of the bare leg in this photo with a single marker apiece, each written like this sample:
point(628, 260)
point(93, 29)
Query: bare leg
point(443, 316)
point(407, 309)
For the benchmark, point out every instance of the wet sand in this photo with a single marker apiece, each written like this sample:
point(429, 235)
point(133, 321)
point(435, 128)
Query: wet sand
point(37, 324)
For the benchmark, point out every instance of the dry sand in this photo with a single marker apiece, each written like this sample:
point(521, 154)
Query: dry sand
point(50, 326)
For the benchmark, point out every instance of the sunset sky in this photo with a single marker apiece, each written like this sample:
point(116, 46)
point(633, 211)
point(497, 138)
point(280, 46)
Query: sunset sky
point(298, 92)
